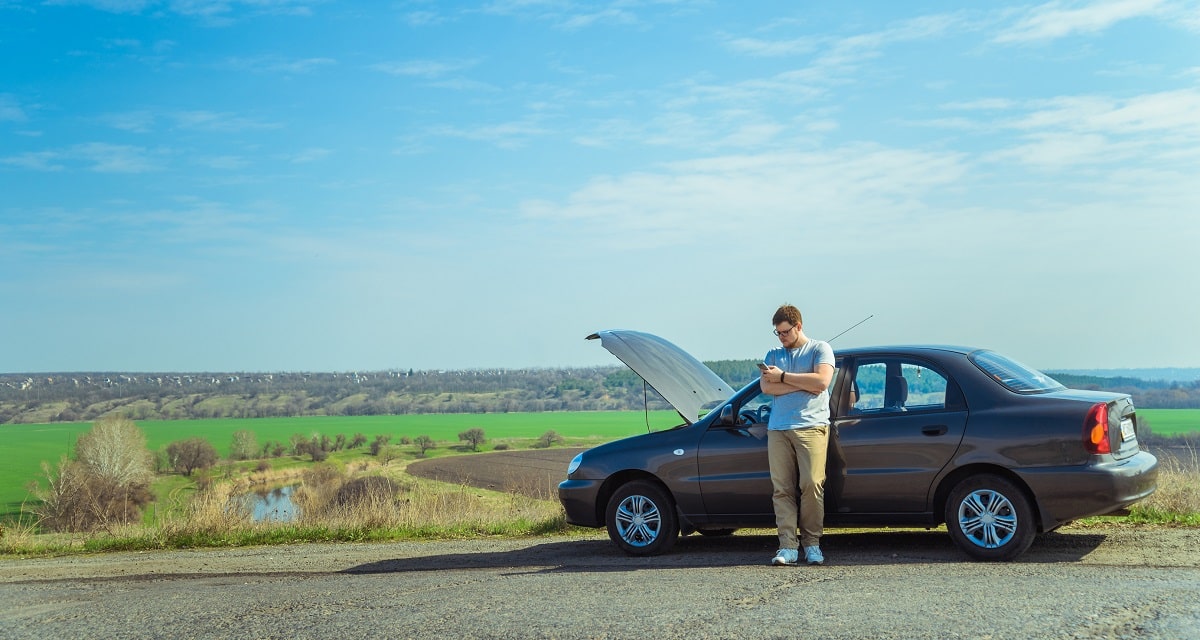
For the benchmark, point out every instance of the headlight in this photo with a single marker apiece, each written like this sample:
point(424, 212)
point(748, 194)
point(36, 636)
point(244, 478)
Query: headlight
point(575, 462)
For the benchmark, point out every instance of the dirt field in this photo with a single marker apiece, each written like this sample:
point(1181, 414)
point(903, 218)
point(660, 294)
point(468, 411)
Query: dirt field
point(535, 473)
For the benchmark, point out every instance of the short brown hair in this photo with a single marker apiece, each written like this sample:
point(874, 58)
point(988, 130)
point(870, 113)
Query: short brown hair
point(786, 313)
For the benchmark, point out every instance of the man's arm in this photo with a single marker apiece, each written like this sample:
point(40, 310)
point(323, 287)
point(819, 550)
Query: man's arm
point(814, 383)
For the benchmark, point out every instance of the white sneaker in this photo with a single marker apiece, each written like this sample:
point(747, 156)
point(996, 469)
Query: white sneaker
point(786, 557)
point(812, 555)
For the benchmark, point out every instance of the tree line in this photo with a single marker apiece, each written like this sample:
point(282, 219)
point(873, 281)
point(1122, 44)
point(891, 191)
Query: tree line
point(74, 397)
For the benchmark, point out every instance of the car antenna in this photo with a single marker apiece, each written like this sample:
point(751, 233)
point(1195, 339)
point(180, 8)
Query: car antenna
point(848, 330)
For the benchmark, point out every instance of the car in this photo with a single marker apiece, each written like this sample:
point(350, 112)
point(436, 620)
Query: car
point(920, 436)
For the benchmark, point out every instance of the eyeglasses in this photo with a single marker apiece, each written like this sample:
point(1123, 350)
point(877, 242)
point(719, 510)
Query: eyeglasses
point(779, 333)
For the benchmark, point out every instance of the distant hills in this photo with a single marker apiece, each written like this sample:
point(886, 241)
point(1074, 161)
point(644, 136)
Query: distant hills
point(81, 397)
point(1163, 374)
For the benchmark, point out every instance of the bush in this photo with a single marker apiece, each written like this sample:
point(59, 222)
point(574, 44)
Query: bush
point(192, 454)
point(474, 437)
point(106, 485)
point(263, 465)
point(500, 447)
point(379, 443)
point(423, 444)
point(549, 439)
point(77, 499)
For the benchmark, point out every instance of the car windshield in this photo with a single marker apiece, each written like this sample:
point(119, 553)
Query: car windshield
point(1014, 375)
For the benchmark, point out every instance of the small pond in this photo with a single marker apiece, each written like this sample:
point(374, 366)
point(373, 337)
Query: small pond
point(273, 505)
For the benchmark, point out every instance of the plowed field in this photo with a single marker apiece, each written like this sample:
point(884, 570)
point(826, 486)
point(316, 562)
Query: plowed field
point(535, 472)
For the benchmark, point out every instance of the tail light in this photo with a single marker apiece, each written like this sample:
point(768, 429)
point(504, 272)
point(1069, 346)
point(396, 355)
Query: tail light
point(1095, 430)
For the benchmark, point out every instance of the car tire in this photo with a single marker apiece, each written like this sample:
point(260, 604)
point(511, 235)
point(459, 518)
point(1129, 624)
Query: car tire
point(989, 518)
point(641, 519)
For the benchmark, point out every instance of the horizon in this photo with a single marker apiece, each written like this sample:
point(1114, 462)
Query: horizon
point(315, 186)
point(1132, 372)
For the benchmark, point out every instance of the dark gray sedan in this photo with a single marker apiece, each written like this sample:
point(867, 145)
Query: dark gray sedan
point(921, 435)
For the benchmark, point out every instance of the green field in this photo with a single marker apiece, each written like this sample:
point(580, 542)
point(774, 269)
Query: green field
point(23, 447)
point(1171, 422)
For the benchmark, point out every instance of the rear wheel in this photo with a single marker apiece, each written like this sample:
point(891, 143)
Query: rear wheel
point(641, 519)
point(989, 518)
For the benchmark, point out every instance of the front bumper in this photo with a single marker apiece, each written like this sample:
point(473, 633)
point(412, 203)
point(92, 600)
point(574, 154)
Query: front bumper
point(579, 499)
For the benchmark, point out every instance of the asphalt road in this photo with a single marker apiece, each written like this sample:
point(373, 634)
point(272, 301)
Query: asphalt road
point(1081, 583)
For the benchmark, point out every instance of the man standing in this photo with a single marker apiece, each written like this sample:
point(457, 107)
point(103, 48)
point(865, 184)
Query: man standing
point(797, 374)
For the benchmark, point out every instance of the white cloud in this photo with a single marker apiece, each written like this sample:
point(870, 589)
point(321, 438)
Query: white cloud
point(36, 161)
point(111, 6)
point(10, 109)
point(279, 64)
point(749, 197)
point(1061, 19)
point(134, 121)
point(217, 121)
point(312, 154)
point(772, 48)
point(1171, 114)
point(94, 156)
point(429, 69)
point(114, 158)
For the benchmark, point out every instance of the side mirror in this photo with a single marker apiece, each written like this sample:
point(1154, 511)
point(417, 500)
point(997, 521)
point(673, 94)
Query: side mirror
point(727, 416)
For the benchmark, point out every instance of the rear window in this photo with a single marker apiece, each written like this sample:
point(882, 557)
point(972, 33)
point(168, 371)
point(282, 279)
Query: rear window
point(1014, 375)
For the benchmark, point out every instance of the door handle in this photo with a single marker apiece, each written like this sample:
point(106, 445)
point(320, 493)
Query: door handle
point(935, 430)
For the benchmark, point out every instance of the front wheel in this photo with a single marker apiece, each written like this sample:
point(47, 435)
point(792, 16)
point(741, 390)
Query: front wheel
point(641, 519)
point(989, 518)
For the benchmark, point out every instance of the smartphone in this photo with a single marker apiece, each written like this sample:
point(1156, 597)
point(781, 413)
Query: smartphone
point(762, 366)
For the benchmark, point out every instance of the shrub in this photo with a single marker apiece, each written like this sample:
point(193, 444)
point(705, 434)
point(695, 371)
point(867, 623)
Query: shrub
point(378, 444)
point(503, 446)
point(473, 437)
point(263, 465)
point(244, 445)
point(77, 499)
point(189, 455)
point(424, 443)
point(549, 439)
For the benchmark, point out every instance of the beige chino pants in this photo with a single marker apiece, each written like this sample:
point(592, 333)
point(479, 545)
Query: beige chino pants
point(797, 459)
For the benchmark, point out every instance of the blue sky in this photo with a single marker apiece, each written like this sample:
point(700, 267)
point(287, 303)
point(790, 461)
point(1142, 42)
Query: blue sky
point(272, 185)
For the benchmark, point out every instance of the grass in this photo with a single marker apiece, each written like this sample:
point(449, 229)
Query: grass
point(184, 516)
point(411, 508)
point(1171, 422)
point(23, 447)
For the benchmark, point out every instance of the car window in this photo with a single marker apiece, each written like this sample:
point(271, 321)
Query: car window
point(926, 388)
point(756, 410)
point(896, 385)
point(1014, 375)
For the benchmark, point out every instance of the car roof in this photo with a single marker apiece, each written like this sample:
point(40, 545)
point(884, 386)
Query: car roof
point(906, 349)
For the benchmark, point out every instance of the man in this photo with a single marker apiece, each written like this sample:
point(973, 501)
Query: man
point(797, 374)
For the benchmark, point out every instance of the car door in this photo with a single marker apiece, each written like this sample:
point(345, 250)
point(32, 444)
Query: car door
point(900, 423)
point(735, 477)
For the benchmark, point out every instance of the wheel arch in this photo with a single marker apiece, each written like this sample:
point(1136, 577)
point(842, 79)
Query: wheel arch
point(616, 480)
point(958, 475)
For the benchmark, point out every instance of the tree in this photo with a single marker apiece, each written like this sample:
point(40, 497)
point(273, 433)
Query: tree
point(108, 483)
point(300, 444)
point(244, 446)
point(424, 443)
point(474, 437)
point(115, 449)
point(191, 454)
point(549, 439)
point(378, 443)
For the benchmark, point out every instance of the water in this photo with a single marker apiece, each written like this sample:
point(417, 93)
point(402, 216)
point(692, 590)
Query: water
point(274, 505)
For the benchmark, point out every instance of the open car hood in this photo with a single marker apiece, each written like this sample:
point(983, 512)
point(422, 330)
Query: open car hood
point(679, 378)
